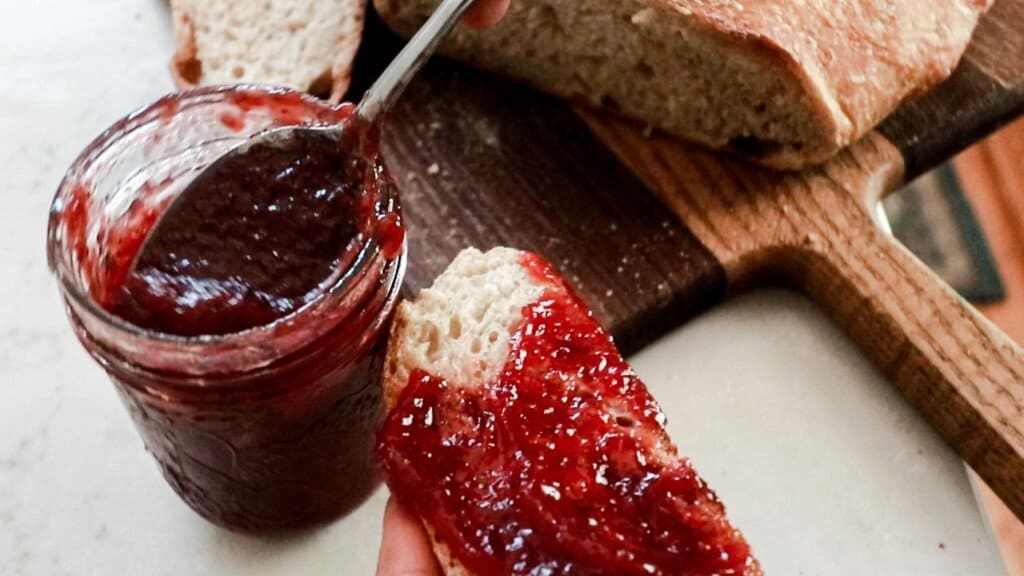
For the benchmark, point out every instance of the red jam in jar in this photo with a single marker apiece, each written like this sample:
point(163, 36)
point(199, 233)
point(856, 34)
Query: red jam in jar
point(559, 466)
point(243, 326)
point(255, 239)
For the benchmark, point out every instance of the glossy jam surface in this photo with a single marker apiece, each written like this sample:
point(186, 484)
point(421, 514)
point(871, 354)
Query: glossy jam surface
point(257, 440)
point(561, 466)
point(255, 238)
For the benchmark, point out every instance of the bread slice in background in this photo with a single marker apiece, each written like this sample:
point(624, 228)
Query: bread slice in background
point(308, 45)
point(786, 83)
point(461, 330)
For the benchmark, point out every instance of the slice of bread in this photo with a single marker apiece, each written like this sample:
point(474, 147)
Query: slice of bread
point(458, 328)
point(308, 46)
point(784, 83)
point(463, 331)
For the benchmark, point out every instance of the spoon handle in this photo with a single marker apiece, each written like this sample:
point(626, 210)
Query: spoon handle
point(389, 86)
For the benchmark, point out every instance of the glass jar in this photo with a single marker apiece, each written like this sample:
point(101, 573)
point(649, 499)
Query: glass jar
point(265, 429)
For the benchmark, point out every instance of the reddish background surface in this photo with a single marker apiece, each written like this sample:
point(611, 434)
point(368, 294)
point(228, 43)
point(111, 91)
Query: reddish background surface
point(993, 175)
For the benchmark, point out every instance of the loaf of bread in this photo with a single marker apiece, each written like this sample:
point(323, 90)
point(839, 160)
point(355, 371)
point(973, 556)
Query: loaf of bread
point(307, 46)
point(786, 83)
point(525, 443)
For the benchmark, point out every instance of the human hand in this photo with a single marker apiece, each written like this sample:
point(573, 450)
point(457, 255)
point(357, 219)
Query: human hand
point(485, 13)
point(404, 548)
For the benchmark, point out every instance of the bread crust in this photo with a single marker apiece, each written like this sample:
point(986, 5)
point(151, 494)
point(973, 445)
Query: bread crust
point(860, 59)
point(392, 379)
point(186, 68)
point(854, 61)
point(315, 58)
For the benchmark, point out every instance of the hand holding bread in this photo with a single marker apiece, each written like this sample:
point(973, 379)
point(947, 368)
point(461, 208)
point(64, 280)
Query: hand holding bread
point(524, 442)
point(404, 547)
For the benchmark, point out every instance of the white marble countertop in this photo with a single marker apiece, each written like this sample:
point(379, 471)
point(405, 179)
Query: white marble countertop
point(820, 462)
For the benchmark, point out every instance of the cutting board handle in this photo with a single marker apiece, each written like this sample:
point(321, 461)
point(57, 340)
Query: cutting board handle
point(964, 375)
point(813, 231)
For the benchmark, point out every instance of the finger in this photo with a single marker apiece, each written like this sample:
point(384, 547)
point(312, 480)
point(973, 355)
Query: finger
point(404, 547)
point(485, 13)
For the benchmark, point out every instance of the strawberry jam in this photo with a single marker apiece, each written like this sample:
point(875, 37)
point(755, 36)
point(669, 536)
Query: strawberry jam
point(243, 325)
point(559, 466)
point(256, 239)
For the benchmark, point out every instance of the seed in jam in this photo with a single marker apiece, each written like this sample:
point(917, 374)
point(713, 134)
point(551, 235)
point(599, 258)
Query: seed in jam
point(561, 466)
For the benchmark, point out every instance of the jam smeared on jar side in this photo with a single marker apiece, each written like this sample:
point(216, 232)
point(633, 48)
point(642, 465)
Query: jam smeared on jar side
point(254, 240)
point(273, 430)
point(560, 466)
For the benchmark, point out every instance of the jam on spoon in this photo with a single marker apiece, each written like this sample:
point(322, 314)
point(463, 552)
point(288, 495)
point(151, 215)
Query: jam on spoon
point(243, 323)
point(254, 235)
point(258, 237)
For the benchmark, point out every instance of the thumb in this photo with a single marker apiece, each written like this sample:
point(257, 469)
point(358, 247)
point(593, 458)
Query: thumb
point(485, 13)
point(404, 548)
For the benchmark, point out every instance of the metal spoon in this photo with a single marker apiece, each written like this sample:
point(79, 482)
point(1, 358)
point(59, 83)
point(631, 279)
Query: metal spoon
point(363, 121)
point(392, 82)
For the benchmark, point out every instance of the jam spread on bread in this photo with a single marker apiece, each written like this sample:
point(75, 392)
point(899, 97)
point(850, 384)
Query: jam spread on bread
point(258, 237)
point(559, 466)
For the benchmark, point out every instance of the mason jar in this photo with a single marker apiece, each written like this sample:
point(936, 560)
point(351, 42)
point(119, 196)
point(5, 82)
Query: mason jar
point(265, 429)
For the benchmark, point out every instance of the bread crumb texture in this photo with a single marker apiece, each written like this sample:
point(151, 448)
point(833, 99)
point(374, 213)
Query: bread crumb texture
point(458, 329)
point(308, 46)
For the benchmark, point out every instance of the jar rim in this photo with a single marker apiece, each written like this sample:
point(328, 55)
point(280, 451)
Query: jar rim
point(340, 283)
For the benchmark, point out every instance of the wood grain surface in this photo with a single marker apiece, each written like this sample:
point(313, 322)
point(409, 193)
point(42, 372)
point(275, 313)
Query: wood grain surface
point(993, 176)
point(482, 161)
point(813, 231)
point(985, 92)
point(486, 163)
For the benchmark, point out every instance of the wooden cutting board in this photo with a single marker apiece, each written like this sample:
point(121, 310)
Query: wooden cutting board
point(651, 231)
